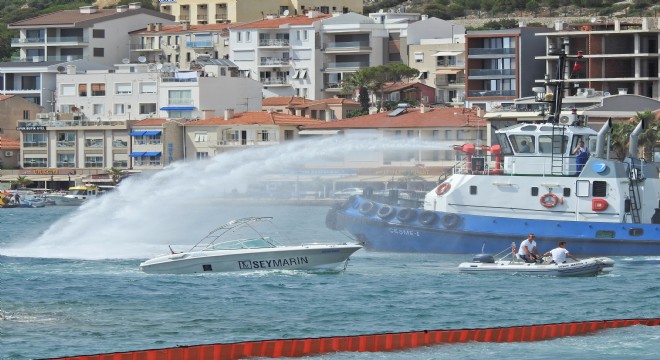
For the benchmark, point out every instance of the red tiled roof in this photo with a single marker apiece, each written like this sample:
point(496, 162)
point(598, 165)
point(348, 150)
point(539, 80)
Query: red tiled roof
point(411, 118)
point(327, 101)
point(179, 28)
point(255, 118)
point(5, 97)
point(278, 22)
point(392, 87)
point(282, 100)
point(150, 122)
point(9, 144)
point(73, 17)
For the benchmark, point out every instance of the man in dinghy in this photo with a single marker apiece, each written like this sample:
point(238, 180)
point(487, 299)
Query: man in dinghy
point(560, 253)
point(528, 251)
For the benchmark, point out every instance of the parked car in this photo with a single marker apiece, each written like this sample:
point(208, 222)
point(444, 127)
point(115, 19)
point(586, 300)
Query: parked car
point(347, 192)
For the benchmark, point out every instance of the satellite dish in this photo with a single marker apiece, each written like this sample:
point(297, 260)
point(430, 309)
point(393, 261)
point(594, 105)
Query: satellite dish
point(125, 60)
point(151, 67)
point(159, 66)
point(61, 69)
point(142, 59)
point(285, 12)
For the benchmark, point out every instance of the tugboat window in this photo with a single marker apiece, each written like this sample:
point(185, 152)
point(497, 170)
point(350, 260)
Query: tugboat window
point(636, 232)
point(207, 267)
point(535, 191)
point(567, 192)
point(473, 190)
point(605, 234)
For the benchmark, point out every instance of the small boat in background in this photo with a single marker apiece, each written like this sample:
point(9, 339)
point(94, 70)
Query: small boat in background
point(76, 195)
point(249, 253)
point(486, 263)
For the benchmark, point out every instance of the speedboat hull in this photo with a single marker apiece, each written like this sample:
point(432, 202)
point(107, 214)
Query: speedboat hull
point(382, 227)
point(585, 267)
point(302, 257)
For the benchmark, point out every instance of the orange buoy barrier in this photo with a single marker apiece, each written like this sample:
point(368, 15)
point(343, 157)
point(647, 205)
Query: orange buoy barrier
point(369, 343)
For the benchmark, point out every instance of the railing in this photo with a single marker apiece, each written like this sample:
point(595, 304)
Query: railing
point(273, 61)
point(202, 17)
point(244, 142)
point(348, 64)
point(65, 164)
point(146, 46)
point(492, 72)
point(33, 144)
point(38, 58)
point(269, 81)
point(176, 101)
point(273, 42)
point(221, 17)
point(199, 44)
point(66, 143)
point(65, 123)
point(50, 40)
point(27, 40)
point(485, 93)
point(333, 86)
point(491, 51)
point(184, 17)
point(175, 79)
point(347, 44)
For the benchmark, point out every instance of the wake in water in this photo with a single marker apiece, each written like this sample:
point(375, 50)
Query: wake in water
point(178, 204)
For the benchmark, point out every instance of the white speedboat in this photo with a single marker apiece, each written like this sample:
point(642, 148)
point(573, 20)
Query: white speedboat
point(249, 254)
point(486, 263)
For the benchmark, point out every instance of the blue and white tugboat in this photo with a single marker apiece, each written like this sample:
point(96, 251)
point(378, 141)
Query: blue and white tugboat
point(536, 184)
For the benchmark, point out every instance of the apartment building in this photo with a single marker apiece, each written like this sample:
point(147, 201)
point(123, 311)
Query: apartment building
point(180, 45)
point(50, 41)
point(619, 57)
point(329, 109)
point(12, 109)
point(200, 12)
point(501, 66)
point(437, 49)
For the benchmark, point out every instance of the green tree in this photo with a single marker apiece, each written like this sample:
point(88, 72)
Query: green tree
point(649, 136)
point(22, 182)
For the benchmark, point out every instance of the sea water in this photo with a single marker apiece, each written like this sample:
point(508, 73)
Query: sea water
point(70, 282)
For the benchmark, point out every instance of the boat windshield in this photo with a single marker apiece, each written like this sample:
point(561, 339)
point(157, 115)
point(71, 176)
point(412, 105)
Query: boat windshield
point(256, 243)
point(78, 192)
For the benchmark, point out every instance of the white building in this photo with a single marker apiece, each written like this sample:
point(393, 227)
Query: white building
point(48, 41)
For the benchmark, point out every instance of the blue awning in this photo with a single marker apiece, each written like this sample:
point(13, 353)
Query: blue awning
point(137, 133)
point(136, 154)
point(151, 133)
point(152, 153)
point(177, 108)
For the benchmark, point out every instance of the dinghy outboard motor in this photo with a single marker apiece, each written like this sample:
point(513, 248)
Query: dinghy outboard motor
point(483, 258)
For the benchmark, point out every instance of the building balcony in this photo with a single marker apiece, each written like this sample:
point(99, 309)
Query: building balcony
point(234, 143)
point(51, 40)
point(332, 87)
point(39, 58)
point(184, 17)
point(274, 42)
point(347, 65)
point(347, 47)
point(27, 41)
point(151, 46)
point(492, 72)
point(199, 44)
point(267, 61)
point(491, 51)
point(86, 123)
point(202, 17)
point(176, 102)
point(221, 17)
point(491, 93)
point(275, 81)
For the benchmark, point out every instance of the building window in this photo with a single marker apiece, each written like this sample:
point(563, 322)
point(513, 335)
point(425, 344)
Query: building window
point(288, 134)
point(94, 143)
point(93, 161)
point(419, 57)
point(148, 109)
point(262, 135)
point(120, 109)
point(97, 109)
point(66, 139)
point(123, 88)
point(201, 137)
point(180, 97)
point(180, 114)
point(147, 88)
point(34, 140)
point(65, 161)
point(82, 89)
point(35, 163)
point(202, 155)
point(99, 52)
point(305, 35)
point(26, 115)
point(68, 90)
point(98, 89)
point(98, 33)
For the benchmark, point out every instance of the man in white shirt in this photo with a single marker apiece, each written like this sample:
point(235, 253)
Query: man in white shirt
point(528, 251)
point(560, 253)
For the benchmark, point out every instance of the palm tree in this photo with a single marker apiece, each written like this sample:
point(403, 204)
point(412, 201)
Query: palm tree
point(22, 182)
point(116, 175)
point(649, 136)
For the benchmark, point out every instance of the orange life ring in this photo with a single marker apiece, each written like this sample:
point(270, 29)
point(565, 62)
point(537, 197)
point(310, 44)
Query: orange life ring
point(549, 200)
point(443, 188)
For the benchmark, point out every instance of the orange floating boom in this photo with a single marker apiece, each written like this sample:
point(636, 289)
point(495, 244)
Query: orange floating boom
point(367, 343)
